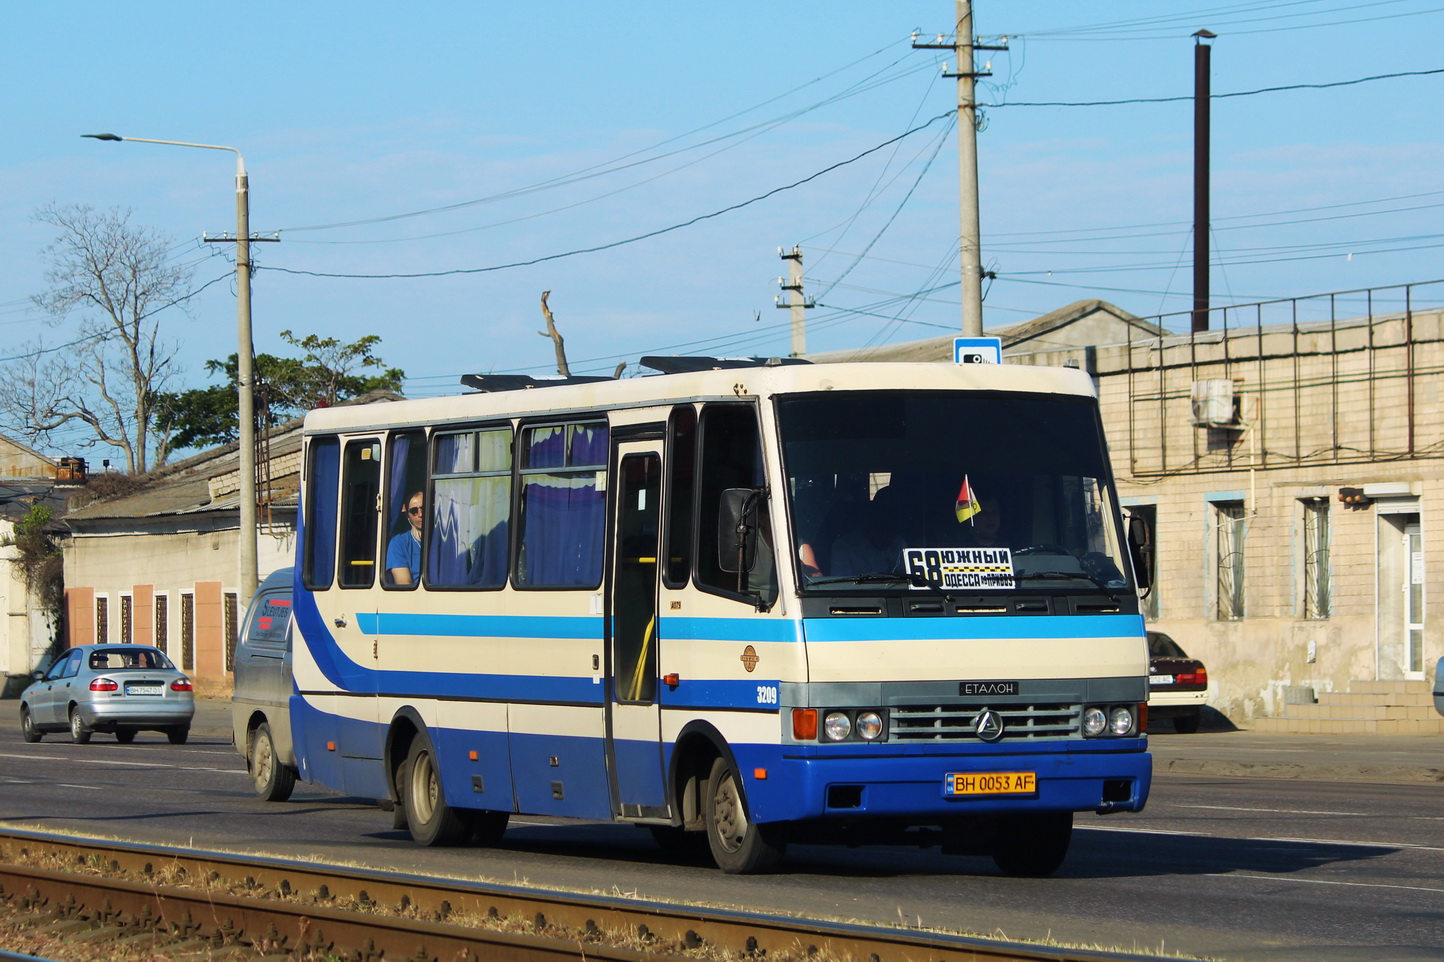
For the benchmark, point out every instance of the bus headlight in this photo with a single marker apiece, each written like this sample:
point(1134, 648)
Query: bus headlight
point(1094, 721)
point(837, 725)
point(1120, 720)
point(869, 725)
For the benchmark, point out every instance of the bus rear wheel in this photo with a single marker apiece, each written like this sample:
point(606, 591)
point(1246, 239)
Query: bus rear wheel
point(739, 845)
point(430, 820)
point(1033, 845)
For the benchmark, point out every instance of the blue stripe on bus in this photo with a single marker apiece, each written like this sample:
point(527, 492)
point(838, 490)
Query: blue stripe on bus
point(581, 628)
point(479, 626)
point(731, 629)
point(538, 689)
point(755, 694)
point(983, 628)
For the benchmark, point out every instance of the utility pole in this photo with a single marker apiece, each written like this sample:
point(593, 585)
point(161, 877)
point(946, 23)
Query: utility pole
point(1201, 93)
point(795, 301)
point(970, 233)
point(245, 356)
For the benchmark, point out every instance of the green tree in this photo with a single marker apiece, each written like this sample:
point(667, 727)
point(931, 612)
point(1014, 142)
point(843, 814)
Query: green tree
point(329, 371)
point(39, 560)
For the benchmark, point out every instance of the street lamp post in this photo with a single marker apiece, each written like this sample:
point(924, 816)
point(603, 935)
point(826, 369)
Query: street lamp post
point(245, 356)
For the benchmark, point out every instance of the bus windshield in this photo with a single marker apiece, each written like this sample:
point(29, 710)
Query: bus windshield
point(949, 490)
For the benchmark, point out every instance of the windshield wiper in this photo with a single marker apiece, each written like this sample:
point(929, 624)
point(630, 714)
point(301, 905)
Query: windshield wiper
point(1076, 575)
point(878, 578)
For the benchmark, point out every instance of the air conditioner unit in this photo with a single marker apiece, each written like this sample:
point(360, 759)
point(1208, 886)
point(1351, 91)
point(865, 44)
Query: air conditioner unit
point(1214, 403)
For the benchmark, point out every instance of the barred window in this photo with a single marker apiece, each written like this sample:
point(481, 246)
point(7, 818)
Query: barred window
point(1316, 558)
point(1229, 529)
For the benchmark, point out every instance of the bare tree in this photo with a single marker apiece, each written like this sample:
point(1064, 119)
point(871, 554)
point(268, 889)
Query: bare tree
point(114, 277)
point(557, 341)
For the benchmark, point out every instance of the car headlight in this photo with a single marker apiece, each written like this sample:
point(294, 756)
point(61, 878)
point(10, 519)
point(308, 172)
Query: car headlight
point(869, 725)
point(837, 725)
point(1094, 721)
point(1120, 720)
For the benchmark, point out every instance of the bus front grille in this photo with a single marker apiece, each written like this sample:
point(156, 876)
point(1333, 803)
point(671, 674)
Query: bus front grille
point(918, 723)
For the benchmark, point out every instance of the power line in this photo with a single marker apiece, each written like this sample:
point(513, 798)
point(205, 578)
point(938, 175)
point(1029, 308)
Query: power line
point(103, 335)
point(616, 165)
point(628, 240)
point(1237, 93)
point(1156, 28)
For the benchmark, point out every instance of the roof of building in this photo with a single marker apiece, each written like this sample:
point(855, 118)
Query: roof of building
point(1041, 333)
point(207, 482)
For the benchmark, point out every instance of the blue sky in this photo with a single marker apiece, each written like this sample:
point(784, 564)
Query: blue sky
point(464, 137)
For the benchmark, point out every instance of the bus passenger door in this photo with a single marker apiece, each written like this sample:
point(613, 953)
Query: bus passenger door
point(634, 751)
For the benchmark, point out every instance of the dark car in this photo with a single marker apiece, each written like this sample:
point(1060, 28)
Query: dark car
point(260, 706)
point(1177, 684)
point(120, 689)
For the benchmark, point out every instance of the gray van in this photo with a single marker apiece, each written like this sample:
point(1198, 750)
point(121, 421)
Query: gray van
point(260, 707)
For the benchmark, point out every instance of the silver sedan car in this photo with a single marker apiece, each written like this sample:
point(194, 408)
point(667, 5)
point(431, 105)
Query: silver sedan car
point(121, 689)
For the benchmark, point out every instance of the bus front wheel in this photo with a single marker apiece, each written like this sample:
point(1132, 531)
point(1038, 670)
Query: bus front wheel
point(1033, 845)
point(430, 820)
point(739, 845)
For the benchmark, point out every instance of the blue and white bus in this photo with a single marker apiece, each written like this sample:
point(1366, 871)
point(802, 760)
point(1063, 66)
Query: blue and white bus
point(751, 603)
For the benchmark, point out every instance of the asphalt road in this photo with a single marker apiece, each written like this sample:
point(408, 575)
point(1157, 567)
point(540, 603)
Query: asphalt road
point(1307, 864)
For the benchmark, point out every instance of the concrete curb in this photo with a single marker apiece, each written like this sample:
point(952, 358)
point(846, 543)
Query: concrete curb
point(1321, 772)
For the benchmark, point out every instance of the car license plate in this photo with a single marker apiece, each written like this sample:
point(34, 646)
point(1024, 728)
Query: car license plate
point(143, 689)
point(990, 783)
point(1160, 679)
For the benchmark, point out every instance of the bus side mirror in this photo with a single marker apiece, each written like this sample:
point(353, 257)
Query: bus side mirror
point(737, 529)
point(1140, 549)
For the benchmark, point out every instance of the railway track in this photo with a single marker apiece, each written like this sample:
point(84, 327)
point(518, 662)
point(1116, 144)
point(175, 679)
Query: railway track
point(206, 901)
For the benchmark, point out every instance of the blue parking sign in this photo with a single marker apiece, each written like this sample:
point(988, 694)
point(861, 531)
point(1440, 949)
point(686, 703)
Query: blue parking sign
point(977, 350)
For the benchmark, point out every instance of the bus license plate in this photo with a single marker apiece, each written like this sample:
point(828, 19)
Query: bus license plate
point(990, 783)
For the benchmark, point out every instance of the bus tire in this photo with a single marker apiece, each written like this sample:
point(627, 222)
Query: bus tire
point(739, 845)
point(271, 780)
point(1033, 845)
point(487, 828)
point(429, 819)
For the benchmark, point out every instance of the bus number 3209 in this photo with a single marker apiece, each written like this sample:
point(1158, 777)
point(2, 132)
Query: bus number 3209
point(766, 694)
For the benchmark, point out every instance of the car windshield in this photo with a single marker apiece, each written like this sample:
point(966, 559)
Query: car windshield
point(950, 490)
point(125, 659)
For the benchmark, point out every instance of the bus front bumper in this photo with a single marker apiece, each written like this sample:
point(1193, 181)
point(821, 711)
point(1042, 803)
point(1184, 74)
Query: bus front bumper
point(926, 788)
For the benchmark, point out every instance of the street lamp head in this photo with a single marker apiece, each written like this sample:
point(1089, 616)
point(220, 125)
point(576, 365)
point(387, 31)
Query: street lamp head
point(103, 136)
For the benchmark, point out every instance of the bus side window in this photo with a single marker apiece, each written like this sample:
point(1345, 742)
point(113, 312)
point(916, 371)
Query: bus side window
point(360, 484)
point(681, 492)
point(731, 457)
point(471, 509)
point(563, 498)
point(405, 476)
point(319, 563)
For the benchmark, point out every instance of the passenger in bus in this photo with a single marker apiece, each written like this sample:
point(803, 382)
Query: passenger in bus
point(876, 545)
point(985, 529)
point(403, 552)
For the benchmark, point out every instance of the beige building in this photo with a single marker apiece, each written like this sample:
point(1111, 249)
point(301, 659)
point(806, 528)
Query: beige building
point(1290, 471)
point(160, 564)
